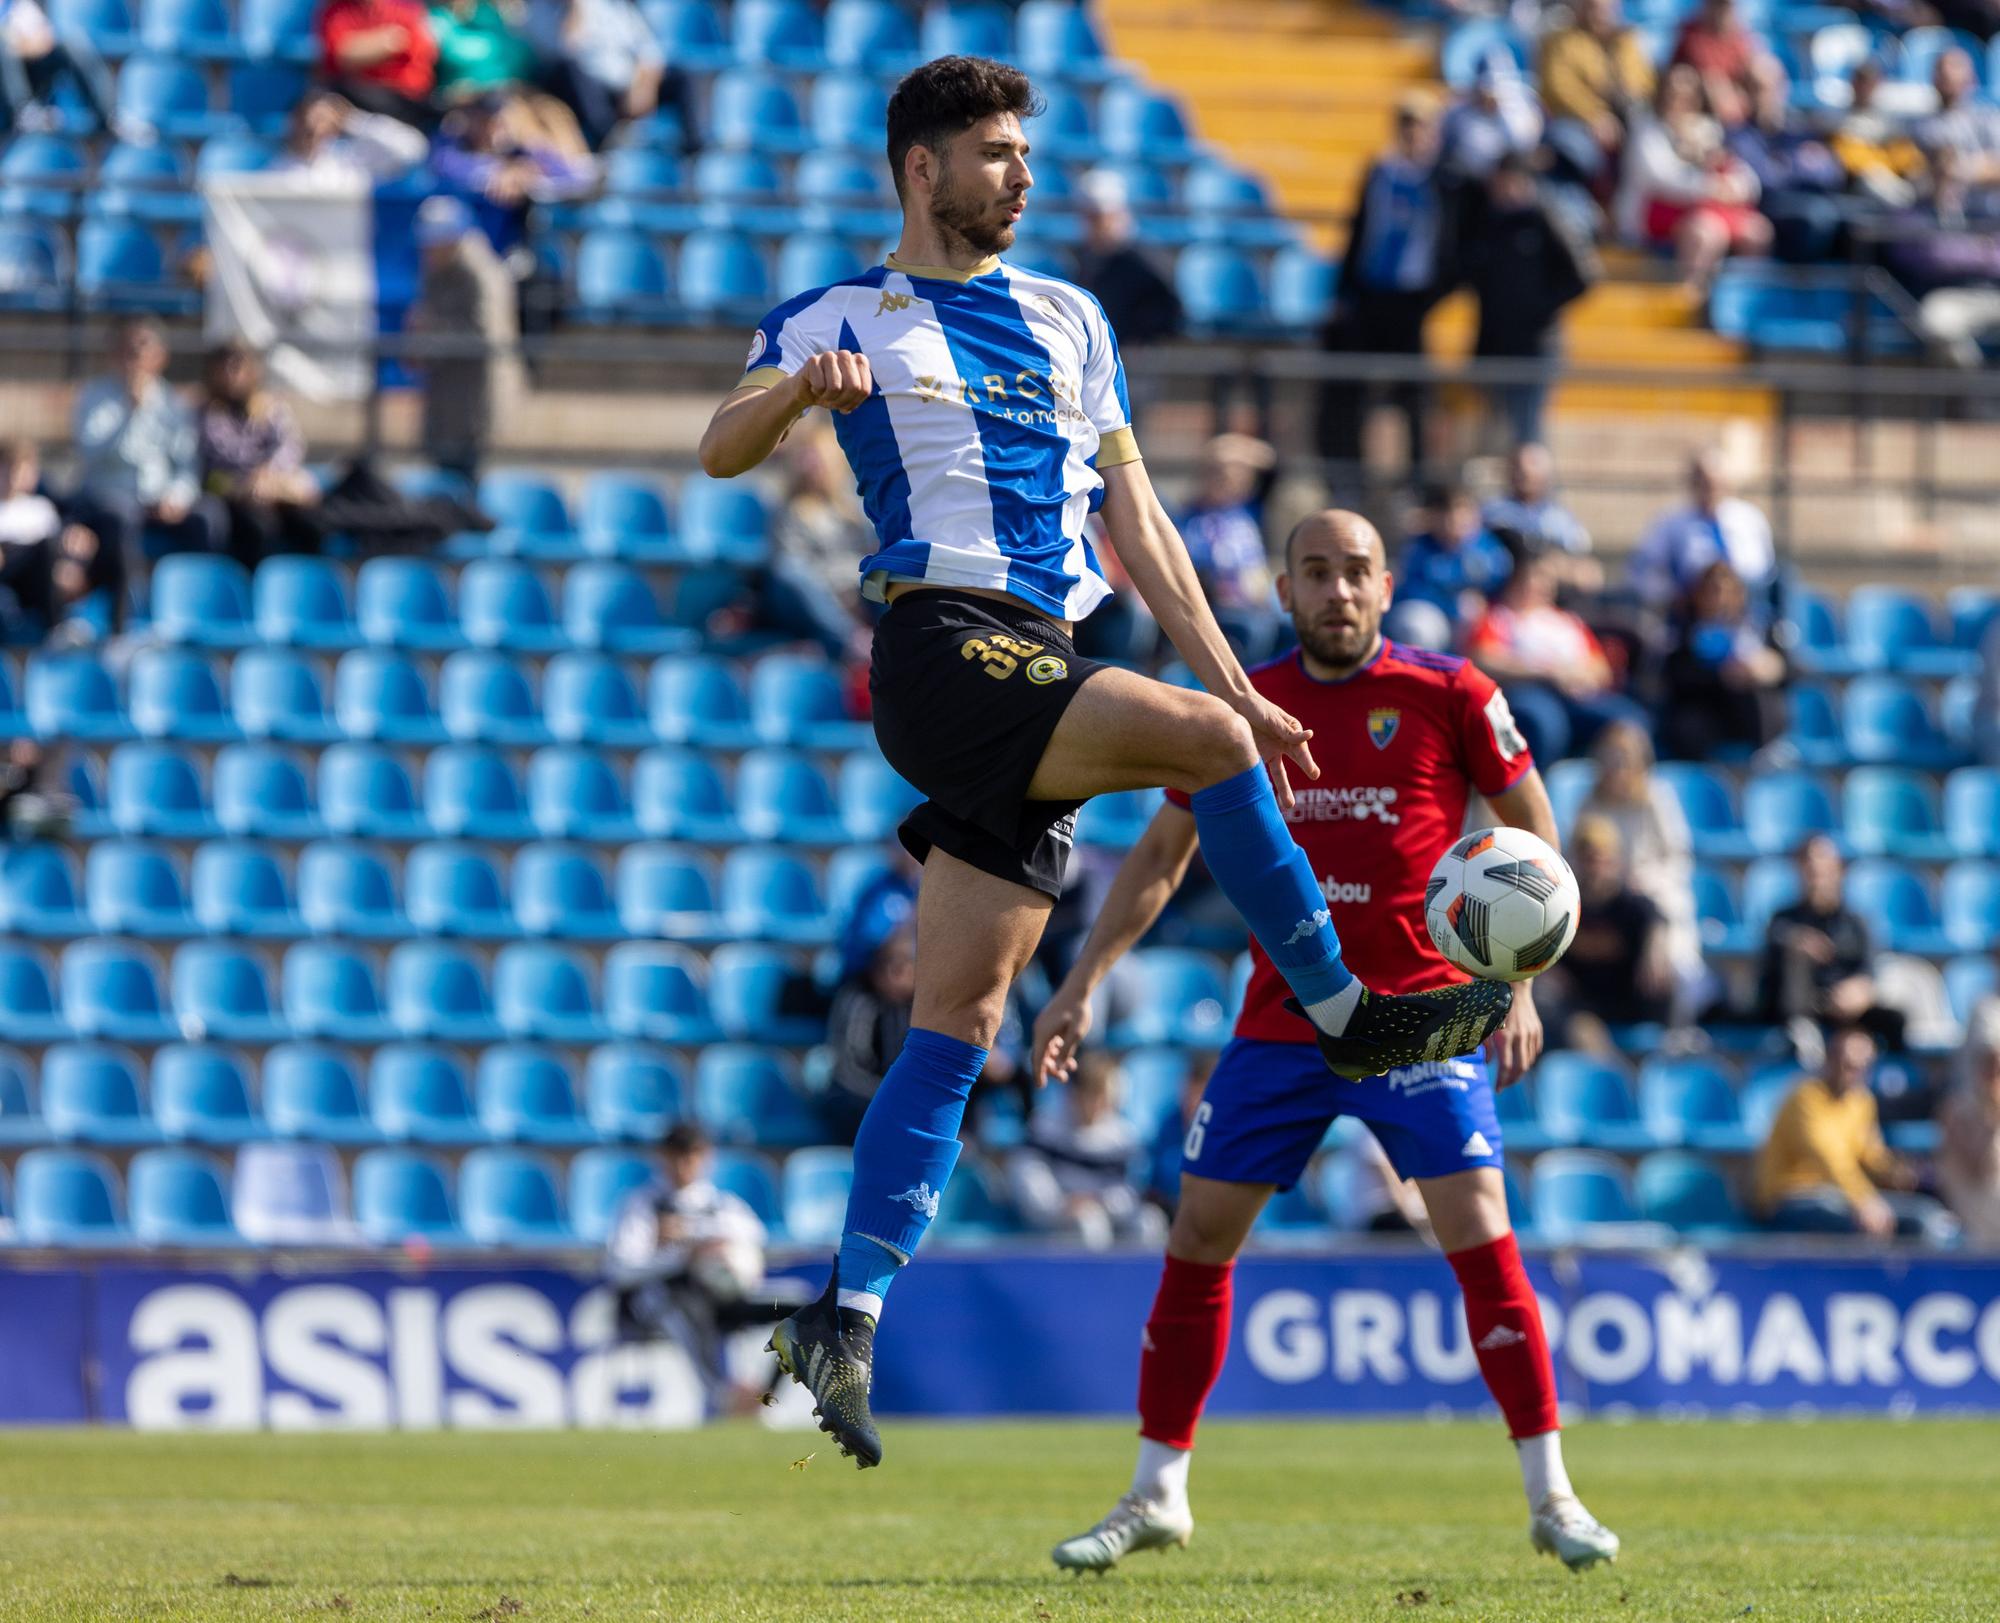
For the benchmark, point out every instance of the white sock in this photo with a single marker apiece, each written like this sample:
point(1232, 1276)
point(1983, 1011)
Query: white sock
point(867, 1301)
point(1331, 1014)
point(1542, 1470)
point(1163, 1472)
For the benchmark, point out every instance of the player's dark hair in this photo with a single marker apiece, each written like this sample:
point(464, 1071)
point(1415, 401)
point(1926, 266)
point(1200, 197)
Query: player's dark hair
point(686, 1138)
point(945, 98)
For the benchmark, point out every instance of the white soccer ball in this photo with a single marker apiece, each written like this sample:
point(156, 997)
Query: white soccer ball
point(1501, 904)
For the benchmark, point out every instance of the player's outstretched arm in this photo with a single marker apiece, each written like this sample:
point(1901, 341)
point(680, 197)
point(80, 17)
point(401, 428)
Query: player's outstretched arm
point(1518, 1043)
point(748, 426)
point(1151, 872)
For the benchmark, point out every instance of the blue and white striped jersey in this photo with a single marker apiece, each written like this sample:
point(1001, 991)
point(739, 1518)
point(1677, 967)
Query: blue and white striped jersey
point(999, 395)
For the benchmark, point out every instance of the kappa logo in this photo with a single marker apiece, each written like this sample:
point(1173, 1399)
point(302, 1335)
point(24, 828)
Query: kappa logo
point(1306, 929)
point(893, 301)
point(923, 1199)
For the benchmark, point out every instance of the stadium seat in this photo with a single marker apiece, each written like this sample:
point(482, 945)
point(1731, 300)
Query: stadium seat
point(588, 699)
point(119, 267)
point(722, 276)
point(406, 603)
point(67, 1197)
point(1220, 289)
point(435, 989)
point(233, 154)
point(1958, 704)
point(508, 1197)
point(110, 989)
point(1136, 123)
point(200, 1096)
point(1153, 1078)
point(202, 600)
point(1890, 629)
point(1117, 820)
point(1055, 39)
point(695, 699)
point(39, 894)
point(220, 992)
point(691, 33)
point(472, 793)
point(263, 94)
point(678, 794)
point(1974, 611)
point(1780, 809)
point(174, 693)
point(90, 1094)
point(1769, 883)
point(289, 1194)
point(873, 797)
point(135, 889)
point(35, 271)
point(260, 790)
point(753, 110)
point(1814, 729)
point(176, 1198)
point(850, 873)
point(1971, 906)
point(816, 257)
point(622, 279)
point(1710, 809)
point(276, 694)
point(533, 519)
point(278, 29)
point(573, 794)
point(816, 1183)
point(301, 603)
point(27, 993)
point(561, 893)
point(1580, 1099)
point(748, 1095)
point(657, 993)
point(666, 892)
point(796, 700)
point(1892, 812)
point(503, 604)
point(600, 1181)
point(1821, 646)
point(381, 697)
point(1688, 1194)
point(345, 890)
point(71, 696)
point(770, 895)
point(544, 993)
point(417, 1094)
point(1229, 204)
point(523, 1096)
point(1884, 720)
point(44, 175)
point(748, 1175)
point(609, 606)
point(1473, 44)
point(1303, 288)
point(1181, 999)
point(966, 28)
point(237, 888)
point(848, 111)
point(725, 521)
point(197, 30)
point(1898, 906)
point(402, 1195)
point(454, 890)
point(869, 37)
point(365, 792)
point(632, 1093)
point(330, 990)
point(1969, 982)
point(1578, 1194)
point(1690, 1102)
point(741, 190)
point(785, 797)
point(625, 516)
point(484, 698)
point(1972, 811)
point(310, 1093)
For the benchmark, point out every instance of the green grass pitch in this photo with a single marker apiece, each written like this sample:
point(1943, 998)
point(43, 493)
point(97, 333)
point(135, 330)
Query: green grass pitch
point(1826, 1519)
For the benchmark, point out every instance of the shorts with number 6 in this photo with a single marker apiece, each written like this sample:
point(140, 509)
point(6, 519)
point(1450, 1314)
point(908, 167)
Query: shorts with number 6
point(967, 692)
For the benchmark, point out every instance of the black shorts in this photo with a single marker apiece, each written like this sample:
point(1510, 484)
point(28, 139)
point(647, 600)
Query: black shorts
point(967, 693)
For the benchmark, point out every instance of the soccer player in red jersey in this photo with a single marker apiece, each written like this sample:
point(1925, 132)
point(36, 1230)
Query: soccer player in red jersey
point(1406, 736)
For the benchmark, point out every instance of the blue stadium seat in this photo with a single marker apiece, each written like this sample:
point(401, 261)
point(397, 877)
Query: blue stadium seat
point(198, 30)
point(533, 518)
point(20, 1122)
point(263, 94)
point(90, 1094)
point(119, 267)
point(1888, 811)
point(280, 29)
point(290, 1194)
point(1134, 122)
point(1885, 720)
point(850, 872)
point(696, 699)
point(1690, 1101)
point(1473, 43)
point(237, 888)
point(560, 893)
point(966, 28)
point(1686, 1193)
point(666, 892)
point(154, 789)
point(1901, 912)
point(310, 1092)
point(1181, 999)
point(642, 201)
point(364, 791)
point(202, 600)
point(509, 1197)
point(869, 37)
point(200, 1096)
point(472, 793)
point(1769, 883)
point(588, 699)
point(44, 175)
point(873, 797)
point(1710, 809)
point(1578, 1191)
point(1958, 703)
point(39, 894)
point(677, 794)
point(402, 1195)
point(406, 603)
point(1116, 820)
point(380, 696)
point(174, 693)
point(573, 794)
point(302, 603)
point(777, 33)
point(1580, 1099)
point(691, 33)
point(600, 1181)
point(754, 110)
point(454, 890)
point(722, 276)
point(261, 790)
point(1814, 728)
point(626, 516)
point(1821, 645)
point(1972, 811)
point(609, 606)
point(28, 994)
point(747, 1174)
point(346, 890)
point(417, 1094)
point(177, 1198)
point(724, 520)
point(816, 1182)
point(1969, 982)
point(1055, 39)
point(111, 989)
point(72, 696)
point(233, 154)
point(658, 993)
point(622, 279)
point(134, 888)
point(783, 796)
point(632, 1093)
point(34, 267)
point(1780, 809)
point(523, 1096)
point(972, 1212)
point(1974, 611)
point(544, 993)
point(847, 113)
point(330, 991)
point(436, 989)
point(798, 700)
point(1971, 892)
point(749, 1095)
point(276, 694)
point(484, 698)
point(503, 604)
point(1153, 1078)
point(220, 992)
point(1889, 629)
point(1303, 288)
point(1219, 288)
point(769, 895)
point(67, 1197)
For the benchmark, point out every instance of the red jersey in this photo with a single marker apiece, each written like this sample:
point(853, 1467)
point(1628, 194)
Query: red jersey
point(412, 71)
point(1401, 745)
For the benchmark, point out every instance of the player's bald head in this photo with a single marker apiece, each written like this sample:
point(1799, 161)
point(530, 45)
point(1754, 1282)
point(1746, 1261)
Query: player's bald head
point(1333, 532)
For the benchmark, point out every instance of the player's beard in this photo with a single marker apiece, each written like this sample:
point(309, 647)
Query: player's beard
point(1339, 648)
point(959, 220)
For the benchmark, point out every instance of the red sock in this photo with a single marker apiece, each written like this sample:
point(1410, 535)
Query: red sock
point(1507, 1334)
point(1187, 1339)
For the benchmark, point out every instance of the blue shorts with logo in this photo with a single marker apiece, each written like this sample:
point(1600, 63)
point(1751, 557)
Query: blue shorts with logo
point(1268, 1106)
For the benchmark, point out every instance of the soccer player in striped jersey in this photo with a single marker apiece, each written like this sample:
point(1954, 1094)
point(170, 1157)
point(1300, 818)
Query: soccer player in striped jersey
point(1410, 736)
point(983, 408)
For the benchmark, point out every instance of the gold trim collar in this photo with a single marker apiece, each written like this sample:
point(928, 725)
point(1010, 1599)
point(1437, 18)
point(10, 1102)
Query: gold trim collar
point(944, 273)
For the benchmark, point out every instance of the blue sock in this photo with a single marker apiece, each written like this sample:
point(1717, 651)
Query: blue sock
point(1270, 881)
point(903, 1158)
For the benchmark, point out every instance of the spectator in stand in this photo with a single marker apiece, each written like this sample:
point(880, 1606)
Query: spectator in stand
point(1531, 512)
point(1798, 177)
point(1817, 952)
point(253, 458)
point(1073, 1177)
point(601, 58)
point(817, 539)
point(332, 142)
point(1393, 272)
point(1961, 139)
point(1163, 1185)
point(1619, 969)
point(1525, 264)
point(502, 155)
point(1138, 298)
point(1968, 1164)
point(380, 55)
point(1224, 532)
point(479, 49)
point(868, 1022)
point(34, 54)
point(1596, 77)
point(31, 808)
point(1366, 1195)
point(47, 567)
point(1682, 543)
point(1498, 118)
point(1554, 672)
point(1883, 165)
point(1825, 1169)
point(466, 309)
point(1724, 54)
point(1455, 564)
point(1724, 680)
point(1682, 190)
point(136, 445)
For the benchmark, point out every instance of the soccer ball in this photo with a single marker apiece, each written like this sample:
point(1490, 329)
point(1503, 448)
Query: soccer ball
point(1500, 904)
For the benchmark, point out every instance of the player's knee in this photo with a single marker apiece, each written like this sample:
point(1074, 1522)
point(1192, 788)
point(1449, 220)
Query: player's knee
point(971, 1017)
point(1202, 1235)
point(1222, 743)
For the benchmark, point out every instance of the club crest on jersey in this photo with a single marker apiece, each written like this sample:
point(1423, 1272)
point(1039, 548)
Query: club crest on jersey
point(756, 349)
point(1382, 725)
